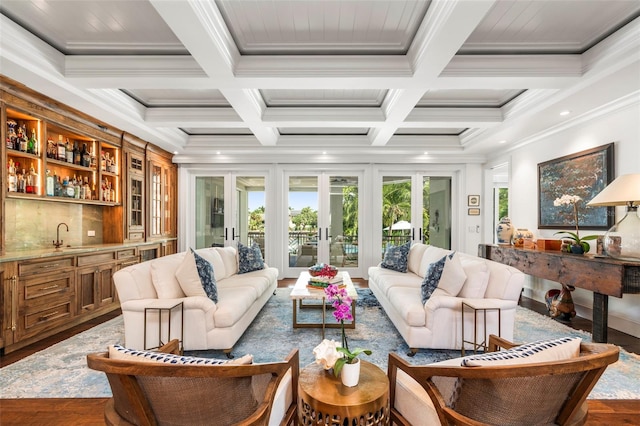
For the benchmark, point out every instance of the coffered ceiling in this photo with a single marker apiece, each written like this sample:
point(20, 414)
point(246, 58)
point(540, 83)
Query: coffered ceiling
point(360, 80)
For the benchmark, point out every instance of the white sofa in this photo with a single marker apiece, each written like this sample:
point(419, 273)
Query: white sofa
point(207, 325)
point(437, 324)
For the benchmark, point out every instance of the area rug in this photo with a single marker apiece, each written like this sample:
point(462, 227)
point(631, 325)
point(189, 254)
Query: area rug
point(60, 371)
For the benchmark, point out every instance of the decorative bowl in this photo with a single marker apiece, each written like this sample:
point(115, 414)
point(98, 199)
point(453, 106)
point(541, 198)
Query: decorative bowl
point(316, 270)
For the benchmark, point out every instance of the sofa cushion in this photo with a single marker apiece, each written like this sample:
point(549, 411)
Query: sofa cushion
point(477, 278)
point(188, 276)
point(396, 257)
point(163, 277)
point(406, 301)
point(213, 256)
point(431, 254)
point(539, 351)
point(249, 258)
point(122, 353)
point(230, 258)
point(415, 257)
point(453, 275)
point(432, 278)
point(233, 303)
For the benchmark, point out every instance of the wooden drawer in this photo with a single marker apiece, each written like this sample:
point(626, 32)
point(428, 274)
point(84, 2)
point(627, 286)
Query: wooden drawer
point(45, 266)
point(126, 254)
point(136, 236)
point(96, 259)
point(43, 316)
point(37, 288)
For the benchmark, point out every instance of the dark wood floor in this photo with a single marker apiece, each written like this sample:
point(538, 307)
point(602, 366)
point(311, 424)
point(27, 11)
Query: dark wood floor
point(89, 411)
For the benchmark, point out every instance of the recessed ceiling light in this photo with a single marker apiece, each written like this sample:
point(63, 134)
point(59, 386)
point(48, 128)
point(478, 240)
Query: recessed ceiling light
point(324, 152)
point(426, 153)
point(565, 112)
point(175, 152)
point(502, 141)
point(218, 152)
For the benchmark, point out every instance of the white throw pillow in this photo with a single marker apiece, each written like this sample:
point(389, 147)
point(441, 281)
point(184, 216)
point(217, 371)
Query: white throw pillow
point(230, 259)
point(188, 277)
point(529, 353)
point(453, 276)
point(477, 279)
point(211, 254)
point(163, 277)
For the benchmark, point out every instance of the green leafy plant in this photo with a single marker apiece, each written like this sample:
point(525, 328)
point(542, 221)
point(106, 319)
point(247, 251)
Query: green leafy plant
point(573, 200)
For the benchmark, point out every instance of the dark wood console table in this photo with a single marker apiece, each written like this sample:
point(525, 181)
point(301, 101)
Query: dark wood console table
point(603, 276)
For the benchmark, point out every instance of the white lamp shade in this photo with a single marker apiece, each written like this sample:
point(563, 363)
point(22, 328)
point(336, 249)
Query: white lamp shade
point(622, 191)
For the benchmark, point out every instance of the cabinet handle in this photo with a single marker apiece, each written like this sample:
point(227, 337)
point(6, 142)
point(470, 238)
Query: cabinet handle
point(46, 317)
point(49, 287)
point(13, 281)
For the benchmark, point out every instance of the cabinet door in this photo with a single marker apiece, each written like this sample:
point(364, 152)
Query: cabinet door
point(9, 303)
point(106, 287)
point(135, 197)
point(87, 289)
point(156, 190)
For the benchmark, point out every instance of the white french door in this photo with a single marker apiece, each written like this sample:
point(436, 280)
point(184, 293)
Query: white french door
point(230, 208)
point(323, 221)
point(415, 207)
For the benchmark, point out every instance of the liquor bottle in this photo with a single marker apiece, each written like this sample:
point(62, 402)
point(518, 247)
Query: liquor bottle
point(57, 186)
point(87, 189)
point(22, 183)
point(86, 158)
point(103, 161)
point(94, 159)
point(68, 152)
point(13, 179)
point(62, 151)
point(77, 157)
point(112, 193)
point(22, 138)
point(69, 187)
point(12, 136)
point(32, 145)
point(32, 181)
point(49, 184)
point(52, 149)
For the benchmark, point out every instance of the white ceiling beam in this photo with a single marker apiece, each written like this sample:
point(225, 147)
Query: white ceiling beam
point(445, 28)
point(193, 117)
point(250, 107)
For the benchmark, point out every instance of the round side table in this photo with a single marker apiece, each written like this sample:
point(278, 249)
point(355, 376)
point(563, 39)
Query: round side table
point(324, 400)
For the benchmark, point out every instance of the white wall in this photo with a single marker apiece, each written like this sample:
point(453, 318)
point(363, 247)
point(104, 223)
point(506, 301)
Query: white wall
point(621, 127)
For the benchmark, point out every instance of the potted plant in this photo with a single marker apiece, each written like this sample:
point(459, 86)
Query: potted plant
point(579, 245)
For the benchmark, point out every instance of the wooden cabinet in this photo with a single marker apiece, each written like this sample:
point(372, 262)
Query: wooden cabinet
point(135, 195)
point(162, 179)
point(45, 295)
point(95, 286)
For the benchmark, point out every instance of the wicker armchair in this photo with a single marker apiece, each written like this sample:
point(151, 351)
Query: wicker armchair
point(146, 393)
point(540, 393)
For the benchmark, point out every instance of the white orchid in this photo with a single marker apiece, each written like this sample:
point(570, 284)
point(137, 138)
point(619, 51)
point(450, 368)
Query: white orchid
point(566, 200)
point(327, 354)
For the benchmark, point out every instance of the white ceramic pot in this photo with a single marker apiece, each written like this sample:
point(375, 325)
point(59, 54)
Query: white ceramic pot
point(350, 374)
point(504, 231)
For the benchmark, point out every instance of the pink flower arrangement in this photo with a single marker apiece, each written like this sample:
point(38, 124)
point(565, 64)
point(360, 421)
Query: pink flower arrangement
point(341, 302)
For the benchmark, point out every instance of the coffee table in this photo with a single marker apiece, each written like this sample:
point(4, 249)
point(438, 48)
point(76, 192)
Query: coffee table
point(324, 400)
point(301, 292)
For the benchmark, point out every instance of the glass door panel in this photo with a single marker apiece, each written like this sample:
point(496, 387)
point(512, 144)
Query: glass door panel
point(343, 221)
point(396, 211)
point(302, 247)
point(436, 211)
point(250, 211)
point(210, 228)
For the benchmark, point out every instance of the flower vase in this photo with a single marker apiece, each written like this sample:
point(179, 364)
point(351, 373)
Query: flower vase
point(504, 231)
point(350, 373)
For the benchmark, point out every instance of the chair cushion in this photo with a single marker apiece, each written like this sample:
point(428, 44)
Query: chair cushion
point(396, 257)
point(122, 353)
point(249, 258)
point(540, 351)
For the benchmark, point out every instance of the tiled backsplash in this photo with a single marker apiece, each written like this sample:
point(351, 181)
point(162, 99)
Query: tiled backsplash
point(31, 224)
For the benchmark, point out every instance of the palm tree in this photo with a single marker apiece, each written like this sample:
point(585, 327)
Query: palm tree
point(396, 203)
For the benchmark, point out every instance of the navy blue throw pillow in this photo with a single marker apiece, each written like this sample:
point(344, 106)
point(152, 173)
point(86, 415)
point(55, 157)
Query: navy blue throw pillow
point(395, 257)
point(249, 258)
point(207, 278)
point(432, 277)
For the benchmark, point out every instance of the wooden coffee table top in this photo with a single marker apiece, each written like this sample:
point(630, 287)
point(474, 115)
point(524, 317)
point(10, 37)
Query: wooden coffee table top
point(322, 387)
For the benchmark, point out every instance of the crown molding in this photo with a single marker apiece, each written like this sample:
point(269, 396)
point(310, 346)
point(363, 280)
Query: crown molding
point(514, 66)
point(112, 68)
point(327, 116)
point(621, 48)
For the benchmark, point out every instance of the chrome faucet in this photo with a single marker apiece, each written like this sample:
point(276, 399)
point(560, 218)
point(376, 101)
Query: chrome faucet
point(58, 242)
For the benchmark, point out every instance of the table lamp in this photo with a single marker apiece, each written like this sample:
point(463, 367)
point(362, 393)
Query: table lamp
point(622, 241)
